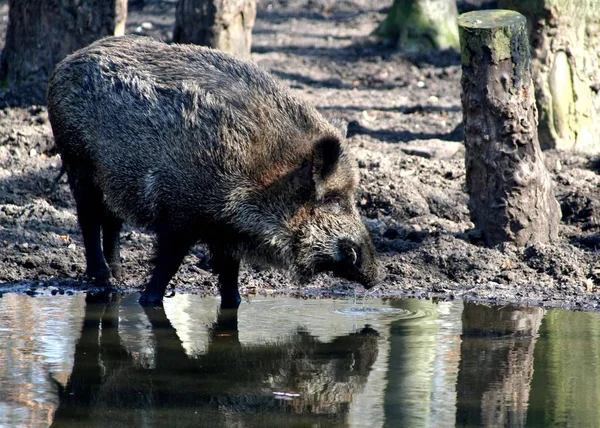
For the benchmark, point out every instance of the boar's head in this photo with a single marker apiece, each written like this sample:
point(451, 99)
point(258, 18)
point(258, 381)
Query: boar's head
point(329, 234)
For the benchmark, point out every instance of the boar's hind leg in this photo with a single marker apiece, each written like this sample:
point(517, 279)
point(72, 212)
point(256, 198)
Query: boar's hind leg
point(90, 214)
point(171, 249)
point(227, 267)
point(111, 242)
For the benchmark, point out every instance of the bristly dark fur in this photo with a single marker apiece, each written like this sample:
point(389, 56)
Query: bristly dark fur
point(202, 146)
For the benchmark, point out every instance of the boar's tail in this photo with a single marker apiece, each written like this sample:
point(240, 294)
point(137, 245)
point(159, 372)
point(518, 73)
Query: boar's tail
point(63, 170)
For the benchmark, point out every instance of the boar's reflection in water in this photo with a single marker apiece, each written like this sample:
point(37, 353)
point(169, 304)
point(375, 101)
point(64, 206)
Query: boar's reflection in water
point(198, 145)
point(228, 382)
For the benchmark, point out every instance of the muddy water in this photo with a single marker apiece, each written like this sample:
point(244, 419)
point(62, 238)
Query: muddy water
point(288, 362)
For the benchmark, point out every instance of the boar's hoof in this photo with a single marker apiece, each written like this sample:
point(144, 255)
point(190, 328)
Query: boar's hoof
point(117, 271)
point(98, 275)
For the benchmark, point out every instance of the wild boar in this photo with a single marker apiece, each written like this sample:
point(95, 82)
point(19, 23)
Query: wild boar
point(200, 146)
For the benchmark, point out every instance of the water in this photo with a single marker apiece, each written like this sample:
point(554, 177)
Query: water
point(285, 362)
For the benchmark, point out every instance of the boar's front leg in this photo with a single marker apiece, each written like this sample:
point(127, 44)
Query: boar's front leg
point(227, 266)
point(171, 249)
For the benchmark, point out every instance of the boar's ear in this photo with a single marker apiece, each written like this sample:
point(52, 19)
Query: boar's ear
point(341, 125)
point(326, 154)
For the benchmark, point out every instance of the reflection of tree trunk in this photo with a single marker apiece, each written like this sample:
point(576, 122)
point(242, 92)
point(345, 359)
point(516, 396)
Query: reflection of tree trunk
point(423, 364)
point(413, 345)
point(446, 363)
point(41, 33)
point(565, 390)
point(496, 365)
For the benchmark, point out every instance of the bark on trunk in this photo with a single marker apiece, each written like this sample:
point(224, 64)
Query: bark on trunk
point(220, 24)
point(511, 193)
point(565, 41)
point(417, 25)
point(41, 33)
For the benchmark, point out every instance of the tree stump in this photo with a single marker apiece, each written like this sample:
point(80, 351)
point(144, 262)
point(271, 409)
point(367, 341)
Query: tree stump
point(565, 43)
point(40, 33)
point(221, 24)
point(420, 25)
point(511, 197)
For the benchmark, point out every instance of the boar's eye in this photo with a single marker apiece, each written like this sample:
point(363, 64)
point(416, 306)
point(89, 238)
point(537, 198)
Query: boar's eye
point(350, 253)
point(332, 204)
point(332, 208)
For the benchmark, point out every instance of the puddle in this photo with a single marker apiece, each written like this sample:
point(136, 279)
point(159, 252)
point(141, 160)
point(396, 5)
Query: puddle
point(283, 361)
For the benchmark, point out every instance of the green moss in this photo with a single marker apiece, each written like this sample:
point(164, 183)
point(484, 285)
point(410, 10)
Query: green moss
point(500, 44)
point(489, 29)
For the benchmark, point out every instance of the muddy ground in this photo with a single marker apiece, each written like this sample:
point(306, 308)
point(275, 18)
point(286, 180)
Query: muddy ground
point(404, 117)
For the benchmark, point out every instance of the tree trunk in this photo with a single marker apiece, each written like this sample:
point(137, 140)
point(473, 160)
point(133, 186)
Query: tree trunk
point(511, 194)
point(220, 24)
point(565, 41)
point(41, 33)
point(416, 25)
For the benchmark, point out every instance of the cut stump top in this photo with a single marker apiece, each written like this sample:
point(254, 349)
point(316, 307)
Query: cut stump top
point(502, 32)
point(487, 19)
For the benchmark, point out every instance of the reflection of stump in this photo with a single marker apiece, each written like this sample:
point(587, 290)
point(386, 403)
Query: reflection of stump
point(220, 24)
point(496, 365)
point(510, 190)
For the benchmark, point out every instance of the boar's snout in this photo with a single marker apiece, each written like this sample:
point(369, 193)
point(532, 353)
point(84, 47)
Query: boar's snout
point(359, 262)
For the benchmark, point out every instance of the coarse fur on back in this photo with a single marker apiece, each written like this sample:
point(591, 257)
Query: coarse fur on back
point(202, 146)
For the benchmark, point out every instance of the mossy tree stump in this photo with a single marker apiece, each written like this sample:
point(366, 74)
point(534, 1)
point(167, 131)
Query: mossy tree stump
point(420, 25)
point(221, 24)
point(511, 197)
point(40, 33)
